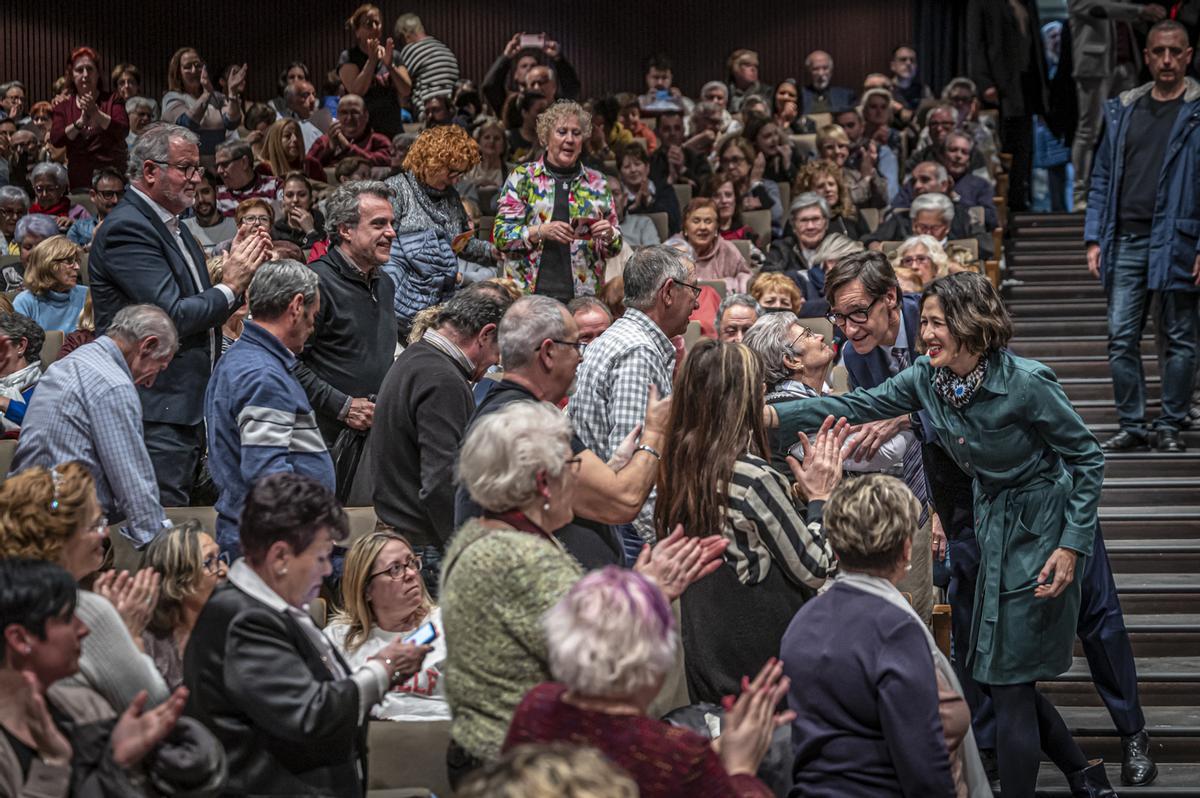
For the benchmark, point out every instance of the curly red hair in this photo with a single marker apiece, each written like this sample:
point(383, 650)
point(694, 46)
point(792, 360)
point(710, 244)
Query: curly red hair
point(446, 147)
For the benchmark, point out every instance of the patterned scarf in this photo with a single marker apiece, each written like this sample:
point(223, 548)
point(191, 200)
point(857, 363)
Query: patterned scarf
point(959, 391)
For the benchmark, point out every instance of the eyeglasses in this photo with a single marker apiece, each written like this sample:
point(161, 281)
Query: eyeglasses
point(12, 213)
point(910, 260)
point(257, 219)
point(71, 259)
point(100, 526)
point(574, 463)
point(396, 570)
point(805, 334)
point(213, 562)
point(735, 159)
point(41, 118)
point(857, 316)
point(40, 190)
point(221, 166)
point(579, 345)
point(190, 170)
point(112, 195)
point(695, 288)
point(941, 123)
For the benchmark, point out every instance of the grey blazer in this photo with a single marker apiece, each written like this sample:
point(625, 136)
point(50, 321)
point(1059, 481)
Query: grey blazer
point(1093, 35)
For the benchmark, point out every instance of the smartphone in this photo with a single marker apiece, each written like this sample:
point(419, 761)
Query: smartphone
point(424, 635)
point(797, 451)
point(535, 41)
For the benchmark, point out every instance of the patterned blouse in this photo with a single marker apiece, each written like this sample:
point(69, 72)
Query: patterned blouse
point(527, 200)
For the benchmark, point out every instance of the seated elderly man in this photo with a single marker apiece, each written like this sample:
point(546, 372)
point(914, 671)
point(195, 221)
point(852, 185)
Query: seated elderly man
point(941, 216)
point(300, 100)
point(819, 96)
point(14, 203)
point(141, 112)
point(954, 156)
point(86, 408)
point(736, 314)
point(351, 136)
point(239, 180)
point(940, 120)
point(108, 186)
point(591, 316)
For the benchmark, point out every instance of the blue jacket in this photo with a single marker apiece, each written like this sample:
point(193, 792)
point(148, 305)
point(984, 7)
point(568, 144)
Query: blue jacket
point(259, 423)
point(1175, 229)
point(424, 268)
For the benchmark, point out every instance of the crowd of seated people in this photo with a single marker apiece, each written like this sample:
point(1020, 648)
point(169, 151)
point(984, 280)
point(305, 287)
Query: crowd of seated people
point(616, 523)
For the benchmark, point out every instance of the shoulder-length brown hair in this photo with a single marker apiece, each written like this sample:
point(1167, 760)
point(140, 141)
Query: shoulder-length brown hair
point(273, 151)
point(175, 68)
point(807, 176)
point(716, 415)
point(974, 313)
point(39, 273)
point(709, 187)
point(356, 577)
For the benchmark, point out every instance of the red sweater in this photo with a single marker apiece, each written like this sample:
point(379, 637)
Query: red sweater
point(94, 148)
point(665, 761)
point(374, 148)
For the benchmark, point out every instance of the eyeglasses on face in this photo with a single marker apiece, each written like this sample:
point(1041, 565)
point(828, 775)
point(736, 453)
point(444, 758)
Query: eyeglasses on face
point(857, 316)
point(694, 288)
point(911, 260)
point(47, 189)
point(574, 463)
point(100, 526)
point(396, 570)
point(255, 219)
point(112, 195)
point(12, 213)
point(579, 345)
point(805, 334)
point(190, 170)
point(213, 562)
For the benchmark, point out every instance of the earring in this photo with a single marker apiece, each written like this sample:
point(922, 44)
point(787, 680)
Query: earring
point(282, 571)
point(546, 507)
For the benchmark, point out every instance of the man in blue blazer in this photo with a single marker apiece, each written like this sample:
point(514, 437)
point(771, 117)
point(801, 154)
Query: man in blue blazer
point(142, 254)
point(819, 97)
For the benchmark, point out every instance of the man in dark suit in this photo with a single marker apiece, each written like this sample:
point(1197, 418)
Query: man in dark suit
point(142, 254)
point(1006, 61)
point(819, 97)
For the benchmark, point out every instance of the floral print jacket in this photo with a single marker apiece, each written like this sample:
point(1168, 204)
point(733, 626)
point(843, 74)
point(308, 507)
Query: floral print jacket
point(527, 200)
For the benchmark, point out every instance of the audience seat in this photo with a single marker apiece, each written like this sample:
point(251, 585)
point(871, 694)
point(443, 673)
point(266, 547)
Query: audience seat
point(83, 198)
point(820, 325)
point(660, 223)
point(805, 144)
point(744, 248)
point(9, 260)
point(839, 379)
point(53, 343)
point(330, 176)
point(83, 269)
point(683, 192)
point(716, 285)
point(407, 758)
point(8, 450)
point(760, 222)
point(871, 216)
point(692, 335)
point(821, 120)
point(785, 196)
point(487, 199)
point(414, 127)
point(966, 243)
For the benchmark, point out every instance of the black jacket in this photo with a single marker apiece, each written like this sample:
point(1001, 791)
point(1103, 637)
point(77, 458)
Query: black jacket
point(257, 682)
point(1002, 55)
point(354, 342)
point(134, 260)
point(422, 411)
point(695, 167)
point(898, 226)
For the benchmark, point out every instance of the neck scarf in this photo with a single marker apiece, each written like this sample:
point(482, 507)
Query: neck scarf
point(959, 391)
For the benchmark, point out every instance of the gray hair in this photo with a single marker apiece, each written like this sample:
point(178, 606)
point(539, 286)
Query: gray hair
point(529, 321)
point(941, 263)
point(342, 207)
point(962, 82)
point(407, 23)
point(14, 194)
point(739, 300)
point(558, 111)
point(154, 144)
point(354, 97)
point(292, 89)
point(12, 84)
point(939, 169)
point(587, 302)
point(771, 339)
point(55, 170)
point(15, 326)
point(236, 149)
point(837, 246)
point(648, 270)
point(276, 283)
point(135, 323)
point(942, 106)
point(134, 103)
point(933, 202)
point(807, 200)
point(39, 224)
point(958, 134)
point(474, 308)
point(504, 451)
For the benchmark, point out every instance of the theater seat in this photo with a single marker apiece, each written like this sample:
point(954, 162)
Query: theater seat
point(407, 758)
point(8, 450)
point(660, 224)
point(53, 343)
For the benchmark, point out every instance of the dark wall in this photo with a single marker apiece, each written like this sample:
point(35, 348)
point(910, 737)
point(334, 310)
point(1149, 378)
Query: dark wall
point(606, 41)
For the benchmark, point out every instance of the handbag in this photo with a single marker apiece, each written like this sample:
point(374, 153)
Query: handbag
point(347, 452)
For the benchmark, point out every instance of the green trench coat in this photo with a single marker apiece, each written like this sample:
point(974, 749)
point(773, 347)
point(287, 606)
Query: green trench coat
point(1038, 471)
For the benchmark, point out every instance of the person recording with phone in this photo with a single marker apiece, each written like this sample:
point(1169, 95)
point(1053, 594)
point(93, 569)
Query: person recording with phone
point(384, 599)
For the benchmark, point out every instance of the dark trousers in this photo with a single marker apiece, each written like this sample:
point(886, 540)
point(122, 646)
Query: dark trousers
point(1020, 709)
point(175, 454)
point(1016, 138)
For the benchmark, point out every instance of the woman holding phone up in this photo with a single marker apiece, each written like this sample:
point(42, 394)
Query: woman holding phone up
point(556, 220)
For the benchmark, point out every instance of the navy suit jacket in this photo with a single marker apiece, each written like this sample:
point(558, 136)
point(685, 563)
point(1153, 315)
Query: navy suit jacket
point(839, 98)
point(134, 260)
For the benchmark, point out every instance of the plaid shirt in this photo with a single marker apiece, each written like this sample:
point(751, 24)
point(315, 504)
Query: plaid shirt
point(86, 408)
point(613, 385)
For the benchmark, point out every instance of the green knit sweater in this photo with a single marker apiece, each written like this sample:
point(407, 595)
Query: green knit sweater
point(498, 584)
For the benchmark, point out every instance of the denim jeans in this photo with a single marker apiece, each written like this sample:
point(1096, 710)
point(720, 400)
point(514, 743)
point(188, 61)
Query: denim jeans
point(1175, 315)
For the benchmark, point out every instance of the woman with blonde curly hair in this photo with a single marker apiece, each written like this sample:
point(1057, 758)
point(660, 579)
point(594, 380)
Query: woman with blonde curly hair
point(556, 219)
point(432, 229)
point(191, 566)
point(827, 180)
point(385, 599)
point(53, 515)
point(283, 151)
point(53, 296)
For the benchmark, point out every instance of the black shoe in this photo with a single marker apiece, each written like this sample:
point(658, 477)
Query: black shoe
point(991, 767)
point(1137, 768)
point(1124, 441)
point(1169, 441)
point(1091, 782)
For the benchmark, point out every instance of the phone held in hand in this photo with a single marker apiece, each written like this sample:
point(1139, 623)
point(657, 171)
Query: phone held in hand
point(535, 41)
point(797, 451)
point(425, 634)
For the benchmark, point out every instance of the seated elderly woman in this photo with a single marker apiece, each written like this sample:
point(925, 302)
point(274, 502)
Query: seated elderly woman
point(287, 708)
point(53, 296)
point(795, 254)
point(775, 559)
point(283, 151)
point(21, 369)
point(14, 203)
point(776, 292)
point(384, 599)
point(298, 222)
point(715, 258)
point(828, 180)
point(31, 230)
point(503, 571)
point(612, 642)
point(191, 566)
point(866, 671)
point(49, 181)
point(59, 739)
point(431, 227)
point(556, 221)
point(53, 515)
point(643, 195)
point(868, 188)
point(924, 256)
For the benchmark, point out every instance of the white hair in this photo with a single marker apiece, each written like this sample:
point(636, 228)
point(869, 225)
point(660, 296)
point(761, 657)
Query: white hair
point(771, 339)
point(933, 201)
point(529, 321)
point(504, 451)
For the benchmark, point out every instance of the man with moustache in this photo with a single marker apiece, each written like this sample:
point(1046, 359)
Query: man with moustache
point(208, 225)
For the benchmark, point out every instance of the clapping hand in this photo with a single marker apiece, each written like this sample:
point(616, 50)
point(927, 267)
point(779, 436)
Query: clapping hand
point(134, 597)
point(52, 747)
point(245, 256)
point(821, 470)
point(137, 732)
point(678, 561)
point(236, 83)
point(751, 720)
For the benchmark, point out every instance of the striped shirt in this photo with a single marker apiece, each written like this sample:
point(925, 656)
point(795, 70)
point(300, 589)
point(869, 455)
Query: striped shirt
point(264, 187)
point(432, 67)
point(764, 528)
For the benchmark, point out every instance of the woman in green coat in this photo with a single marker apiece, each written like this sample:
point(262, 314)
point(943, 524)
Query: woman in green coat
point(1037, 471)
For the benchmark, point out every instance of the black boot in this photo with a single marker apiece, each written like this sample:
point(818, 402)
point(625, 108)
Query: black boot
point(1137, 768)
point(1091, 782)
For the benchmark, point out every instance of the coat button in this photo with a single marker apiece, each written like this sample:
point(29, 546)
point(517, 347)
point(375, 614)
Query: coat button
point(961, 441)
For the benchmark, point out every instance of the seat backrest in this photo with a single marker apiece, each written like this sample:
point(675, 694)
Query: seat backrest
point(683, 193)
point(839, 379)
point(760, 222)
point(408, 754)
point(53, 343)
point(660, 223)
point(8, 450)
point(820, 325)
point(83, 198)
point(744, 248)
point(83, 270)
point(871, 216)
point(821, 119)
point(691, 335)
point(484, 231)
point(716, 285)
point(888, 247)
point(785, 195)
point(487, 199)
point(966, 243)
point(805, 144)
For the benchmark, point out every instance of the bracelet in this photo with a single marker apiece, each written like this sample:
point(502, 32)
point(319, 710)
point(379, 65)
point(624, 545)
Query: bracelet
point(649, 450)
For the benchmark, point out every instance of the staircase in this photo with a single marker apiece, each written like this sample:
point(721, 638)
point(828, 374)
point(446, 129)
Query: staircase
point(1149, 510)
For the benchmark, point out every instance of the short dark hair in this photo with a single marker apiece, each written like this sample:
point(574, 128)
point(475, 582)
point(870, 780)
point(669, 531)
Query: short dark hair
point(975, 315)
point(634, 149)
point(659, 61)
point(16, 326)
point(31, 593)
point(106, 171)
point(474, 308)
point(1168, 25)
point(291, 508)
point(871, 267)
